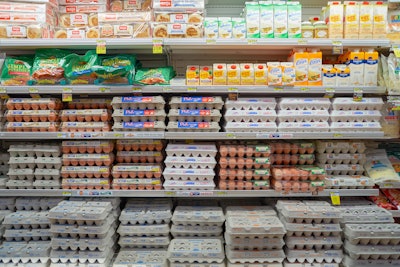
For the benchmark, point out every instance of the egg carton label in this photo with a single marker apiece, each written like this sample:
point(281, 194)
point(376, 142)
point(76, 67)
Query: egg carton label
point(135, 112)
point(139, 153)
point(129, 99)
point(140, 181)
point(86, 156)
point(84, 124)
point(29, 112)
point(135, 125)
point(86, 143)
point(193, 125)
point(86, 181)
point(150, 168)
point(190, 160)
point(194, 112)
point(197, 99)
point(84, 169)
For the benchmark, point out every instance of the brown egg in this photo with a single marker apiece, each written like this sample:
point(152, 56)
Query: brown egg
point(232, 174)
point(278, 174)
point(9, 105)
point(287, 187)
point(232, 151)
point(139, 187)
point(74, 162)
point(302, 150)
point(222, 185)
point(100, 162)
point(241, 151)
point(278, 159)
point(120, 147)
point(151, 147)
point(231, 185)
point(157, 174)
point(249, 163)
point(50, 105)
point(159, 159)
point(141, 174)
point(248, 186)
point(295, 187)
point(249, 152)
point(82, 175)
point(312, 188)
point(223, 150)
point(133, 147)
point(52, 128)
point(125, 174)
point(79, 106)
point(294, 159)
point(116, 174)
point(232, 162)
point(286, 148)
point(73, 174)
point(107, 161)
point(96, 105)
point(90, 118)
point(240, 185)
point(82, 130)
point(66, 149)
point(278, 186)
point(295, 174)
point(72, 117)
point(294, 148)
point(159, 147)
point(86, 105)
point(149, 175)
point(105, 174)
point(240, 174)
point(304, 187)
point(310, 150)
point(42, 106)
point(256, 176)
point(64, 175)
point(286, 159)
point(240, 163)
point(248, 174)
point(143, 147)
point(303, 175)
point(96, 174)
point(26, 106)
point(90, 149)
point(19, 106)
point(312, 177)
point(52, 117)
point(286, 174)
point(223, 174)
point(223, 163)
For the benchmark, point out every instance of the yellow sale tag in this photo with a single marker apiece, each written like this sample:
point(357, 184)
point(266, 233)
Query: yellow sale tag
point(157, 49)
point(335, 198)
point(101, 48)
point(67, 97)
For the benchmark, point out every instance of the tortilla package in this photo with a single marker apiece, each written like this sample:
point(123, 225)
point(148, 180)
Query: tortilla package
point(115, 69)
point(48, 66)
point(16, 70)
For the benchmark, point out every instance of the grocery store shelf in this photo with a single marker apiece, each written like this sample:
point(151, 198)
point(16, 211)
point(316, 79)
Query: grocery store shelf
point(80, 135)
point(181, 193)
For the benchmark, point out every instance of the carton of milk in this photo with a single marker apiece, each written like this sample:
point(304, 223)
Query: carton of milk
point(238, 28)
point(329, 76)
point(371, 59)
point(274, 73)
point(294, 19)
point(366, 20)
point(288, 74)
point(351, 19)
point(266, 19)
point(246, 74)
point(225, 27)
point(380, 20)
point(280, 19)
point(211, 27)
point(252, 15)
point(342, 75)
point(355, 62)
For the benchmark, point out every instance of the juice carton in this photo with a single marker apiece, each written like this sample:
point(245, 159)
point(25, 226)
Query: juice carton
point(300, 61)
point(233, 74)
point(334, 19)
point(380, 20)
point(246, 74)
point(206, 75)
point(238, 28)
point(211, 27)
point(280, 19)
point(342, 75)
point(260, 74)
point(371, 58)
point(328, 75)
point(192, 75)
point(219, 74)
point(266, 19)
point(315, 68)
point(274, 73)
point(288, 74)
point(252, 15)
point(351, 19)
point(224, 27)
point(294, 19)
point(366, 20)
point(355, 61)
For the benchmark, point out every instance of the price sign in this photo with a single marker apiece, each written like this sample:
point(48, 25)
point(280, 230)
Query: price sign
point(337, 47)
point(67, 94)
point(329, 92)
point(358, 94)
point(335, 198)
point(157, 46)
point(101, 48)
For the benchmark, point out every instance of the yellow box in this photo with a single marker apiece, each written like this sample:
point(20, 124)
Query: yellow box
point(351, 19)
point(334, 19)
point(192, 75)
point(206, 75)
point(233, 74)
point(328, 75)
point(219, 74)
point(315, 68)
point(246, 74)
point(371, 59)
point(380, 20)
point(300, 62)
point(366, 20)
point(274, 73)
point(260, 74)
point(288, 74)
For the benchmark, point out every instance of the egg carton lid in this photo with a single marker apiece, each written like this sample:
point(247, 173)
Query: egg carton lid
point(22, 249)
point(191, 230)
point(249, 113)
point(340, 144)
point(172, 173)
point(86, 143)
point(22, 183)
point(190, 162)
point(140, 257)
point(139, 113)
point(13, 233)
point(73, 169)
point(370, 249)
point(302, 113)
point(250, 126)
point(145, 213)
point(46, 171)
point(365, 214)
point(86, 211)
point(311, 255)
point(137, 99)
point(188, 185)
point(177, 264)
point(268, 102)
point(156, 125)
point(254, 224)
point(26, 217)
point(32, 100)
point(312, 240)
point(261, 256)
point(122, 167)
point(349, 262)
point(273, 264)
point(194, 112)
point(349, 180)
point(30, 112)
point(253, 242)
point(103, 242)
point(53, 160)
point(322, 126)
point(360, 231)
point(347, 126)
point(15, 160)
point(196, 99)
point(83, 256)
point(85, 181)
point(365, 114)
point(316, 212)
point(350, 156)
point(194, 250)
point(100, 230)
point(250, 210)
point(210, 214)
point(145, 229)
point(351, 101)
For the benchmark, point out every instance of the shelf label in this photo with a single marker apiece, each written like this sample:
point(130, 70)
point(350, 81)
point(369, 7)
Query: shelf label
point(94, 193)
point(101, 48)
point(33, 90)
point(396, 52)
point(302, 41)
point(104, 90)
point(3, 90)
point(67, 94)
point(329, 92)
point(358, 94)
point(233, 90)
point(66, 194)
point(230, 135)
point(118, 135)
point(194, 193)
point(304, 89)
point(167, 89)
point(157, 46)
point(191, 89)
point(335, 198)
point(170, 194)
point(62, 135)
point(337, 47)
point(136, 89)
point(337, 135)
point(211, 41)
point(278, 88)
point(252, 41)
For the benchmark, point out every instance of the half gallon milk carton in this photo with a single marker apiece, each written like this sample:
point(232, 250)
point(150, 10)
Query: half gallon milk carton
point(299, 57)
point(252, 15)
point(371, 58)
point(266, 19)
point(294, 19)
point(380, 20)
point(351, 19)
point(366, 20)
point(280, 19)
point(315, 67)
point(355, 62)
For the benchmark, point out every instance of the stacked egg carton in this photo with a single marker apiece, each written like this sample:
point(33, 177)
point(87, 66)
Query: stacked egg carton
point(371, 237)
point(253, 236)
point(36, 203)
point(348, 115)
point(86, 164)
point(139, 165)
point(138, 113)
point(34, 166)
point(140, 257)
point(4, 158)
point(190, 166)
point(83, 234)
point(86, 115)
point(195, 114)
point(313, 233)
point(32, 114)
point(343, 161)
point(250, 115)
point(244, 166)
point(303, 114)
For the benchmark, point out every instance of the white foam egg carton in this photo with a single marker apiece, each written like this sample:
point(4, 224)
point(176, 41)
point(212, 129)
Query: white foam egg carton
point(19, 184)
point(4, 169)
point(350, 262)
point(138, 102)
point(196, 250)
point(315, 264)
point(47, 151)
point(46, 184)
point(303, 127)
point(196, 102)
point(340, 147)
point(355, 127)
point(47, 174)
point(3, 182)
point(310, 214)
point(318, 243)
point(250, 127)
point(139, 126)
point(312, 255)
point(190, 162)
point(192, 150)
point(149, 230)
point(140, 257)
point(48, 162)
point(145, 214)
point(83, 231)
point(341, 158)
point(349, 182)
point(261, 225)
point(36, 203)
point(31, 150)
point(366, 103)
point(195, 230)
point(176, 264)
point(253, 243)
point(26, 220)
point(249, 210)
point(81, 256)
point(84, 115)
point(247, 103)
point(27, 234)
point(250, 116)
point(194, 115)
point(4, 158)
point(366, 252)
point(343, 169)
point(303, 116)
point(188, 174)
point(355, 116)
point(144, 242)
point(139, 156)
point(70, 243)
point(365, 214)
point(372, 234)
point(34, 254)
point(198, 215)
point(21, 174)
point(137, 115)
point(7, 204)
point(22, 162)
point(255, 256)
point(193, 126)
point(299, 103)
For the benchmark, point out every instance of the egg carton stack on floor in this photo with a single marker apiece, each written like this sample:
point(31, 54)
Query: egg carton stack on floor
point(313, 233)
point(190, 166)
point(139, 165)
point(34, 165)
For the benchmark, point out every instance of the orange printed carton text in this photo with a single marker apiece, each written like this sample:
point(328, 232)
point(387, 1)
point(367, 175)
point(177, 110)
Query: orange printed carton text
point(260, 74)
point(192, 75)
point(351, 19)
point(366, 20)
point(274, 73)
point(328, 75)
point(300, 62)
point(233, 74)
point(380, 20)
point(334, 20)
point(246, 73)
point(288, 74)
point(219, 74)
point(206, 75)
point(315, 68)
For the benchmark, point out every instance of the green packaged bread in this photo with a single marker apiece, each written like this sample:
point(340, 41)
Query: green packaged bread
point(48, 66)
point(16, 70)
point(115, 69)
point(150, 76)
point(79, 69)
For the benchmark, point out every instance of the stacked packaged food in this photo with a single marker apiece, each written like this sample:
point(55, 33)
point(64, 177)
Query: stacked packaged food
point(4, 158)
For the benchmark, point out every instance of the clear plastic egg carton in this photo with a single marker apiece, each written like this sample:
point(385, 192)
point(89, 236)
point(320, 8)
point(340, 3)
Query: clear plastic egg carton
point(372, 234)
point(246, 103)
point(3, 181)
point(89, 103)
point(370, 252)
point(34, 254)
point(196, 102)
point(31, 126)
point(303, 116)
point(355, 116)
point(250, 127)
point(341, 158)
point(87, 159)
point(47, 174)
point(140, 170)
point(144, 242)
point(139, 126)
point(312, 255)
point(340, 147)
point(31, 115)
point(301, 173)
point(87, 147)
point(247, 163)
point(243, 185)
point(26, 220)
point(138, 115)
point(85, 115)
point(185, 126)
point(86, 183)
point(36, 203)
point(138, 102)
point(137, 184)
point(254, 226)
point(190, 162)
point(343, 169)
point(34, 104)
point(303, 127)
point(19, 184)
point(250, 116)
point(348, 103)
point(318, 243)
point(139, 157)
point(27, 235)
point(7, 204)
point(355, 127)
point(149, 214)
point(311, 214)
point(253, 243)
point(140, 257)
point(365, 214)
point(140, 145)
point(298, 103)
point(255, 256)
point(195, 231)
point(22, 162)
point(287, 159)
point(198, 215)
point(234, 174)
point(85, 172)
point(46, 184)
point(191, 150)
point(71, 243)
point(80, 257)
point(145, 230)
point(196, 250)
point(85, 127)
point(194, 115)
point(195, 175)
point(349, 182)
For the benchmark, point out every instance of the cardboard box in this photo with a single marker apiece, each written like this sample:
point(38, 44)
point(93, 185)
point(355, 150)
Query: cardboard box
point(329, 75)
point(288, 74)
point(219, 74)
point(225, 27)
point(193, 75)
point(246, 74)
point(233, 74)
point(274, 73)
point(371, 59)
point(206, 75)
point(260, 74)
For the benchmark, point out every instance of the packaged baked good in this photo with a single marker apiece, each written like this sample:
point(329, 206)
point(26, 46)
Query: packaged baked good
point(25, 30)
point(26, 17)
point(11, 6)
point(78, 69)
point(16, 70)
point(48, 66)
point(129, 5)
point(128, 30)
point(196, 17)
point(149, 76)
point(77, 33)
point(78, 20)
point(138, 16)
point(177, 30)
point(115, 69)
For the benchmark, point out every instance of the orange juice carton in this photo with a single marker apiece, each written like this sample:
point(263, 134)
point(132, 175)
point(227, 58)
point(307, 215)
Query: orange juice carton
point(252, 15)
point(371, 59)
point(288, 74)
point(380, 20)
point(274, 73)
point(266, 19)
point(260, 74)
point(315, 68)
point(355, 61)
point(233, 74)
point(246, 73)
point(193, 75)
point(219, 74)
point(328, 75)
point(342, 75)
point(334, 20)
point(206, 75)
point(294, 19)
point(280, 19)
point(366, 20)
point(351, 19)
point(299, 57)
point(225, 27)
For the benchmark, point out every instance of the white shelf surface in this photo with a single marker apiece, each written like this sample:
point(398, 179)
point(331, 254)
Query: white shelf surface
point(181, 193)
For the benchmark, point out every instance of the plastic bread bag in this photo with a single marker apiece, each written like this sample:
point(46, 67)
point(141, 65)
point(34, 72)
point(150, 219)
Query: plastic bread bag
point(127, 5)
point(393, 82)
point(150, 76)
point(16, 70)
point(379, 167)
point(115, 69)
point(48, 66)
point(79, 69)
point(382, 71)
